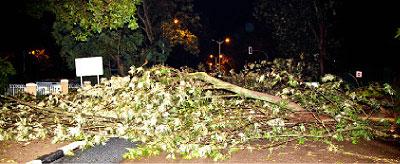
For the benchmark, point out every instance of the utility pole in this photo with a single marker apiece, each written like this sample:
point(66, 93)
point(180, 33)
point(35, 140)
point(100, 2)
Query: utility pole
point(226, 40)
point(219, 55)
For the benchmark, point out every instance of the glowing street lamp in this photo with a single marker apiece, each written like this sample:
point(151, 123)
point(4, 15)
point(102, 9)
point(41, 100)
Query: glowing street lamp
point(219, 61)
point(176, 21)
point(226, 40)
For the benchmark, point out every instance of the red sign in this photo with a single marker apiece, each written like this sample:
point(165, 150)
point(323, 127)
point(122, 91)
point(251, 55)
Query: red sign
point(358, 74)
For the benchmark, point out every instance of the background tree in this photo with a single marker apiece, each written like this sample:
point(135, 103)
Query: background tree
point(7, 70)
point(81, 18)
point(299, 25)
point(109, 29)
point(95, 28)
point(119, 48)
point(168, 24)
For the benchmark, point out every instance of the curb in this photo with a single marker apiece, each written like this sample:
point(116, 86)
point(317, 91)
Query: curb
point(51, 157)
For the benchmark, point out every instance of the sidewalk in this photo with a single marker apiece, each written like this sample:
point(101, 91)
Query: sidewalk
point(21, 152)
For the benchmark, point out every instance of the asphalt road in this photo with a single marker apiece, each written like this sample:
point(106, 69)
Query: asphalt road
point(111, 152)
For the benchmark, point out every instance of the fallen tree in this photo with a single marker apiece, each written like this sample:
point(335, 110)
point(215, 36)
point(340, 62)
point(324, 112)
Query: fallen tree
point(195, 115)
point(243, 91)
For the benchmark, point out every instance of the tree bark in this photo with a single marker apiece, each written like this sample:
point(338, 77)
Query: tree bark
point(146, 22)
point(121, 69)
point(120, 65)
point(245, 92)
point(322, 48)
point(320, 16)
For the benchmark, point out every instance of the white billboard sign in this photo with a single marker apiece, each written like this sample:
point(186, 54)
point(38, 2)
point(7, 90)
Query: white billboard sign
point(92, 66)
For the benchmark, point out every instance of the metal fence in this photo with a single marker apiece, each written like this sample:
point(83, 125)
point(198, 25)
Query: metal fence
point(43, 88)
point(14, 89)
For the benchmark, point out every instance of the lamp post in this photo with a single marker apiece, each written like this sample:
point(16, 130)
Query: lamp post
point(226, 40)
point(219, 61)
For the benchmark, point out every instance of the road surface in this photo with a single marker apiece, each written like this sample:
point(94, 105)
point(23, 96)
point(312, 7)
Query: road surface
point(111, 152)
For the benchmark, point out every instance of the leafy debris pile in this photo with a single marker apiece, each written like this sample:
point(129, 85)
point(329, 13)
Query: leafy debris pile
point(194, 115)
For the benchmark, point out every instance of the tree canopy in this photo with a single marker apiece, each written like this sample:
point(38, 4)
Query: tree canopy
point(82, 19)
point(168, 24)
point(97, 28)
point(124, 32)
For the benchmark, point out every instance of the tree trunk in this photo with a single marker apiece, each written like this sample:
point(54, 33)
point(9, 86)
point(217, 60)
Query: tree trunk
point(245, 92)
point(121, 69)
point(120, 66)
point(321, 37)
point(322, 48)
point(148, 29)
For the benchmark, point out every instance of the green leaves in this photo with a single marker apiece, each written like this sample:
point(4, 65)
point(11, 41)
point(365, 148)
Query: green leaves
point(94, 16)
point(133, 25)
point(97, 28)
point(177, 35)
point(261, 79)
point(301, 140)
point(292, 81)
point(397, 33)
point(140, 152)
point(388, 89)
point(328, 78)
point(168, 111)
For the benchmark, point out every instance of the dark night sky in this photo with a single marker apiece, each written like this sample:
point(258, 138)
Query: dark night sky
point(18, 30)
point(225, 16)
point(367, 29)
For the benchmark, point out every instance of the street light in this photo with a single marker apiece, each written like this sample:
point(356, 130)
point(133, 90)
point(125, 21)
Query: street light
point(219, 61)
point(226, 40)
point(176, 21)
